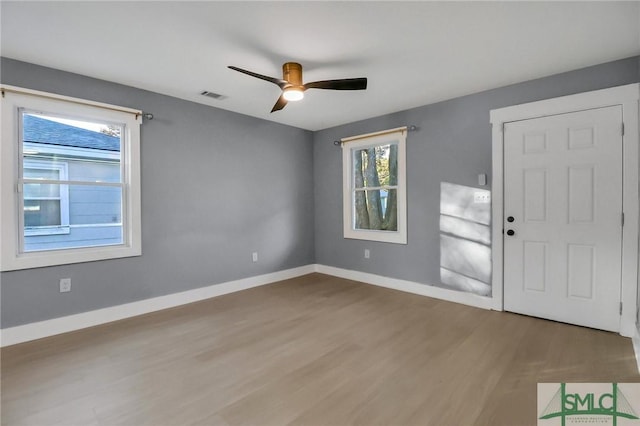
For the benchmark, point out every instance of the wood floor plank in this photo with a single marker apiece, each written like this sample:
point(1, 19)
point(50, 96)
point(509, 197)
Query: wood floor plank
point(314, 350)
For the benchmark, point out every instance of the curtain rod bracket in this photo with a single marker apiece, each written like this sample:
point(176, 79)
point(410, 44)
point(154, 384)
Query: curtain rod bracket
point(146, 115)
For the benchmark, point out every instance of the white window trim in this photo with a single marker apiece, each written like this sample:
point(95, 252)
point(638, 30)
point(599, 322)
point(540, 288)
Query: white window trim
point(14, 98)
point(63, 228)
point(349, 145)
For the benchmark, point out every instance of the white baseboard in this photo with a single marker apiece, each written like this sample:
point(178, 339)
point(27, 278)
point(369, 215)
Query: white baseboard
point(41, 329)
point(410, 287)
point(636, 347)
point(38, 330)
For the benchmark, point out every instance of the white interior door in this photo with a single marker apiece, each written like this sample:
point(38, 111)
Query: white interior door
point(563, 203)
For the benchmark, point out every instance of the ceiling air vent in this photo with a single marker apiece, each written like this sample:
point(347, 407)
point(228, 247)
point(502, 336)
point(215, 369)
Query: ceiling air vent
point(213, 95)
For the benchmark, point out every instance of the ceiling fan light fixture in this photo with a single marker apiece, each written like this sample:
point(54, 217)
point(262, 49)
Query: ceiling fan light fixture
point(293, 88)
point(293, 94)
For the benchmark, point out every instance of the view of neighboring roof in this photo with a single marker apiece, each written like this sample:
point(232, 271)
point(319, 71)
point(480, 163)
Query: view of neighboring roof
point(41, 130)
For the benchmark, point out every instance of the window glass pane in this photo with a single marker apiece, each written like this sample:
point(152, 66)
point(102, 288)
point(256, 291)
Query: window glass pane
point(90, 150)
point(39, 190)
point(94, 172)
point(95, 219)
point(71, 216)
point(376, 209)
point(44, 174)
point(94, 205)
point(376, 166)
point(41, 213)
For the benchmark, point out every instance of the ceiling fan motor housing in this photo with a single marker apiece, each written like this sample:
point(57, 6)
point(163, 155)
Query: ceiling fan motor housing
point(292, 72)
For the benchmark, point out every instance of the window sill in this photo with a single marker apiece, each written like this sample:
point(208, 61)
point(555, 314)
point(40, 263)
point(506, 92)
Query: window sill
point(373, 235)
point(39, 259)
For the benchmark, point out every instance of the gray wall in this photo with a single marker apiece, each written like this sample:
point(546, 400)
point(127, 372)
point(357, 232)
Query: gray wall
point(453, 145)
point(216, 186)
point(190, 240)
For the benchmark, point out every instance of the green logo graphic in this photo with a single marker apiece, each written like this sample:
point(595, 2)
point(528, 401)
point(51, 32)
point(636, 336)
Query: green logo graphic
point(564, 404)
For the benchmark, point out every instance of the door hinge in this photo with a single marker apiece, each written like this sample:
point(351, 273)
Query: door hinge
point(620, 308)
point(622, 128)
point(622, 219)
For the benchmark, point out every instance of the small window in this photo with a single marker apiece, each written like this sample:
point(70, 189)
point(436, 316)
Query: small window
point(374, 187)
point(70, 181)
point(46, 206)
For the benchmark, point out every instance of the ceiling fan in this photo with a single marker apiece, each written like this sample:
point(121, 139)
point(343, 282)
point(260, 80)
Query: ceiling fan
point(292, 87)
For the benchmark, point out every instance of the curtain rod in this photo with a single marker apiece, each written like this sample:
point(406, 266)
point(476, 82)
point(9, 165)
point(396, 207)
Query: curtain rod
point(23, 91)
point(410, 128)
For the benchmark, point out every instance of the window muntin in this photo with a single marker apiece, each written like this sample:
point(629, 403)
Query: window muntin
point(374, 187)
point(67, 197)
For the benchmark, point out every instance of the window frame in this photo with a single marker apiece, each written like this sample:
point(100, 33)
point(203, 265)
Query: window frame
point(14, 101)
point(356, 143)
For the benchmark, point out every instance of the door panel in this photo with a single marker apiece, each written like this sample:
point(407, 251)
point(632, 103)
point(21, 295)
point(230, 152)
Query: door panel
point(534, 259)
point(563, 187)
point(535, 195)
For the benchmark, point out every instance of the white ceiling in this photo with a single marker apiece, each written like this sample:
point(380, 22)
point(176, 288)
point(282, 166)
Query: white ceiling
point(413, 53)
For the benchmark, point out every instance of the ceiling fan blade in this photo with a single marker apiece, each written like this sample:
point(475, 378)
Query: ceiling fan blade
point(280, 103)
point(281, 83)
point(343, 84)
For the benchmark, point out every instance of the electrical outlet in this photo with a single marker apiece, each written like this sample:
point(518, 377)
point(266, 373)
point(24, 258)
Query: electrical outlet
point(254, 256)
point(367, 254)
point(483, 197)
point(65, 285)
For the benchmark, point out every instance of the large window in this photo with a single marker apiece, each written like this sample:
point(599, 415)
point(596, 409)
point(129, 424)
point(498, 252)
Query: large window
point(374, 182)
point(70, 180)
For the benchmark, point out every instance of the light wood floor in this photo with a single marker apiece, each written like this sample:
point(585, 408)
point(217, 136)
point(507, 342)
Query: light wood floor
point(314, 350)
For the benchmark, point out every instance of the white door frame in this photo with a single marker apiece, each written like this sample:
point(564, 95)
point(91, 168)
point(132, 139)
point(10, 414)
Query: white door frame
point(628, 97)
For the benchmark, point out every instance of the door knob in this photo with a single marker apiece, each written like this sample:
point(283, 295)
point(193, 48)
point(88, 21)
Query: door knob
point(511, 232)
point(510, 219)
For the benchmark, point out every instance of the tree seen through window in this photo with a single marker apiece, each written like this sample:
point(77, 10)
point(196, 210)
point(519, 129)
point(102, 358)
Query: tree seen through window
point(375, 187)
